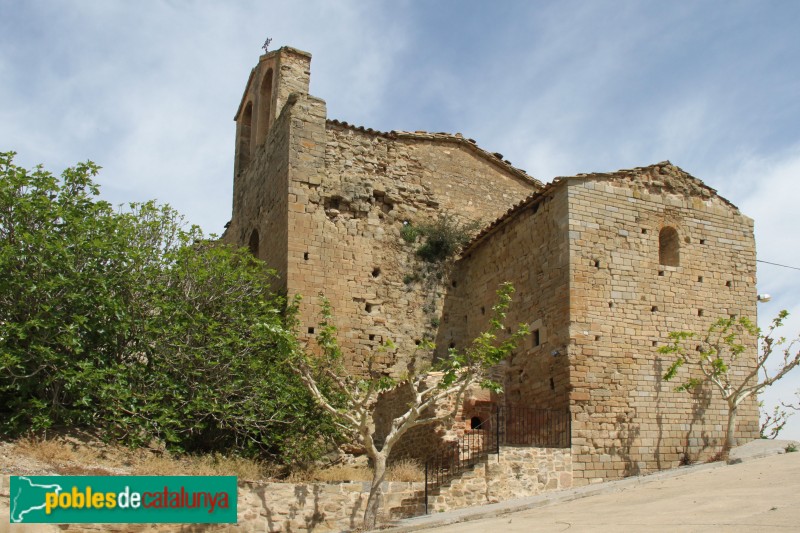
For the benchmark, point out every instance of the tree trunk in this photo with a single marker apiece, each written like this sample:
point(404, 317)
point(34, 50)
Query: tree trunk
point(731, 431)
point(375, 491)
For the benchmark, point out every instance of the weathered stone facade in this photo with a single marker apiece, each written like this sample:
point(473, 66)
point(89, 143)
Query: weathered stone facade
point(604, 266)
point(610, 264)
point(324, 202)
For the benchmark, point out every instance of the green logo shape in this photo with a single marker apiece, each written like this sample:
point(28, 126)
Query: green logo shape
point(123, 499)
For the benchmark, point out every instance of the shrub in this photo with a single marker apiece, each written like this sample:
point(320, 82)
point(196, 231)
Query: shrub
point(409, 233)
point(444, 238)
point(131, 322)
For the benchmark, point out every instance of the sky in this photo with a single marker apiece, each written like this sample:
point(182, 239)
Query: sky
point(148, 90)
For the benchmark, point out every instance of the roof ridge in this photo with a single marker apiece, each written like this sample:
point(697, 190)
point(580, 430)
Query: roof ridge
point(458, 138)
point(622, 173)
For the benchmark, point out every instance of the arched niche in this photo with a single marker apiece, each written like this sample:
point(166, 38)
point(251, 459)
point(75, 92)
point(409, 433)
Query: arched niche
point(264, 108)
point(254, 243)
point(669, 247)
point(245, 132)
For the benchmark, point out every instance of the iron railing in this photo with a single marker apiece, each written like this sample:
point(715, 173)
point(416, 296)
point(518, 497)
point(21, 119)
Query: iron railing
point(512, 426)
point(543, 428)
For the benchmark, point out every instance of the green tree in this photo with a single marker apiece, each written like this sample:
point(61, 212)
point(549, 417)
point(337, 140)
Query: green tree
point(722, 351)
point(353, 401)
point(129, 321)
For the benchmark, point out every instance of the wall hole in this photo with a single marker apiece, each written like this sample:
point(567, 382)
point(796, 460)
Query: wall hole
point(311, 330)
point(376, 272)
point(699, 312)
point(536, 337)
point(655, 343)
point(552, 384)
point(452, 345)
point(483, 310)
point(700, 279)
point(368, 308)
point(305, 256)
point(644, 231)
point(702, 241)
point(660, 272)
point(610, 304)
point(597, 337)
point(454, 283)
point(475, 422)
point(654, 309)
point(417, 342)
point(729, 283)
point(596, 263)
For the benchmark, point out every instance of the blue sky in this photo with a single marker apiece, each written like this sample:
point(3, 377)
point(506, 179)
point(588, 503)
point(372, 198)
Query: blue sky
point(148, 90)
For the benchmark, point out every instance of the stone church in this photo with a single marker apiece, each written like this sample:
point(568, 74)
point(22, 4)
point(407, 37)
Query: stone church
point(605, 265)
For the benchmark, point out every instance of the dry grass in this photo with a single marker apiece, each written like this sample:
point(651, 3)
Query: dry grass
point(84, 456)
point(47, 451)
point(205, 465)
point(404, 470)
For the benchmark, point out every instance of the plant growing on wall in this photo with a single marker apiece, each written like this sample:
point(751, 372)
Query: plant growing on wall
point(441, 241)
point(353, 401)
point(444, 238)
point(722, 348)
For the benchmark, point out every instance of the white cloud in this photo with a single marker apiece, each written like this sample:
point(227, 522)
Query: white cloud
point(148, 90)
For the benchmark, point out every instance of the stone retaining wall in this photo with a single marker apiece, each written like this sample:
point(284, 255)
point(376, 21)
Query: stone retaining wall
point(516, 473)
point(321, 507)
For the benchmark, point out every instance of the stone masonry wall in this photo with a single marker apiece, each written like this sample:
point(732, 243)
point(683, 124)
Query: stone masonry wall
point(532, 253)
point(277, 75)
point(345, 221)
point(515, 473)
point(623, 305)
point(276, 507)
point(320, 507)
point(260, 201)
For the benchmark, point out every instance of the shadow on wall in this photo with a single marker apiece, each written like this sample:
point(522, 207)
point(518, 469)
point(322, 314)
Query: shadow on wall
point(701, 399)
point(693, 447)
point(627, 433)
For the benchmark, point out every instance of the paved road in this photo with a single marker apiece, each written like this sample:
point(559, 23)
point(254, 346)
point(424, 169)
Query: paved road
point(757, 495)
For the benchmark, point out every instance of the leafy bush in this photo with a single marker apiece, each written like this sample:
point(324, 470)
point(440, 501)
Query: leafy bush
point(129, 322)
point(409, 233)
point(444, 238)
